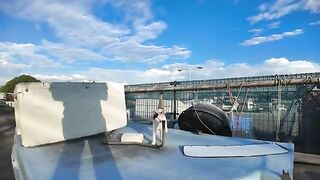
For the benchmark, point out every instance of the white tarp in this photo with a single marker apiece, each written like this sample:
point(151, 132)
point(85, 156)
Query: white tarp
point(51, 112)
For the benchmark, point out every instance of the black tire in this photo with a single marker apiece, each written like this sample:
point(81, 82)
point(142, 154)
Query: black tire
point(212, 116)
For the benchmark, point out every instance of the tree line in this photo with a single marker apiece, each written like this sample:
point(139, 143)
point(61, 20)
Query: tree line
point(11, 84)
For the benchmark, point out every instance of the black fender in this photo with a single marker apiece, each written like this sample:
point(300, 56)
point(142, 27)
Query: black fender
point(205, 118)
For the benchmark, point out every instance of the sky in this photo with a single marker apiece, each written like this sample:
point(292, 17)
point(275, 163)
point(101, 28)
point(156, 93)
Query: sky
point(142, 41)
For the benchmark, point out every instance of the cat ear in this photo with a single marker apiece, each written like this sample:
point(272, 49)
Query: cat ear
point(161, 105)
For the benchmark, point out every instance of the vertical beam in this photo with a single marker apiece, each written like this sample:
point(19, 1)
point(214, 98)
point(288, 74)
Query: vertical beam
point(279, 110)
point(175, 105)
point(174, 84)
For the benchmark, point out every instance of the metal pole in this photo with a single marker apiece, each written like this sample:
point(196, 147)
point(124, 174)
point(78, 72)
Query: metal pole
point(174, 83)
point(175, 105)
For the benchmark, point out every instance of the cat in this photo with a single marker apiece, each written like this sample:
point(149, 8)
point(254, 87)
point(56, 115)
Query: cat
point(158, 117)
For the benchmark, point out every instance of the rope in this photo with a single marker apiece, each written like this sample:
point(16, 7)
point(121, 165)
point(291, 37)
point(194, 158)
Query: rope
point(234, 99)
point(202, 121)
point(230, 93)
point(242, 108)
point(239, 90)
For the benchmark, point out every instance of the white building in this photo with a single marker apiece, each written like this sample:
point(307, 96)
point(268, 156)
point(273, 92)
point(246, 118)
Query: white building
point(2, 96)
point(145, 107)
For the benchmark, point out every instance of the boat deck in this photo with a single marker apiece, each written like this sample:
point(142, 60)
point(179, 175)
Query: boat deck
point(89, 158)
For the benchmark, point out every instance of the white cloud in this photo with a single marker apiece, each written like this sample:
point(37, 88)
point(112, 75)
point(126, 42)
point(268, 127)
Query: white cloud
point(212, 69)
point(314, 23)
point(256, 32)
point(52, 78)
point(6, 62)
point(312, 5)
point(71, 20)
point(270, 38)
point(27, 53)
point(131, 76)
point(8, 68)
point(133, 51)
point(270, 11)
point(150, 31)
point(70, 54)
point(47, 54)
point(83, 36)
point(274, 25)
point(285, 66)
point(216, 69)
point(137, 11)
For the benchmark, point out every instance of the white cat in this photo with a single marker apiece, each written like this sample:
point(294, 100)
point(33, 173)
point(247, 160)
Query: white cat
point(158, 117)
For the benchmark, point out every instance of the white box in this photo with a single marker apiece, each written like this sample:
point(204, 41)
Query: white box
point(52, 112)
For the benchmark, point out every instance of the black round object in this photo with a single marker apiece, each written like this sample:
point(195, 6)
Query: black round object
point(202, 117)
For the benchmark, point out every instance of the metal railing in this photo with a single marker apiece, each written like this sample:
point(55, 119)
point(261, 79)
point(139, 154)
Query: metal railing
point(263, 112)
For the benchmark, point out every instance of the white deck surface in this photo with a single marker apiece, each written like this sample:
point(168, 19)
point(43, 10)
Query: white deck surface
point(88, 158)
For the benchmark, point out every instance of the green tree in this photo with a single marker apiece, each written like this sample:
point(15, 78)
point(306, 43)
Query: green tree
point(10, 85)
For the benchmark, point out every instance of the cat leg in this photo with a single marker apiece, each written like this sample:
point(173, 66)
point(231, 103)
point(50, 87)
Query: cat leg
point(154, 132)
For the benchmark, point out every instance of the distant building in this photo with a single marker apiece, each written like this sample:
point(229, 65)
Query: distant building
point(9, 97)
point(10, 104)
point(250, 105)
point(2, 96)
point(144, 108)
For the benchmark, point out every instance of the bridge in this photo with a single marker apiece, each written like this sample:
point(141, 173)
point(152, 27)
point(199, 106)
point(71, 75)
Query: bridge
point(257, 81)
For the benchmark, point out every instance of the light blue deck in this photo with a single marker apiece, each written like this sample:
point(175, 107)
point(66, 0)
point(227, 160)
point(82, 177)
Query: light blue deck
point(88, 158)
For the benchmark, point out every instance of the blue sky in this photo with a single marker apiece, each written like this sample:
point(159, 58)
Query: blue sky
point(142, 41)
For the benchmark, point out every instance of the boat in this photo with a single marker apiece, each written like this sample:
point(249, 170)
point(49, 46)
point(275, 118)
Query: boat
point(77, 130)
